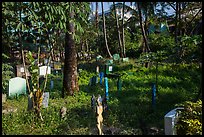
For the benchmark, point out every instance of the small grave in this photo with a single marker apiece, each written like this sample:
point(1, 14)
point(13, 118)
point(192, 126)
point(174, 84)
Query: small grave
point(43, 69)
point(116, 57)
point(17, 86)
point(125, 59)
point(170, 120)
point(45, 99)
point(20, 71)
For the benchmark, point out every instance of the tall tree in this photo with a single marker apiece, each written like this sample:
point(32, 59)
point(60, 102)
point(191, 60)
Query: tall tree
point(146, 47)
point(96, 18)
point(104, 31)
point(70, 79)
point(118, 30)
point(123, 33)
point(96, 15)
point(176, 24)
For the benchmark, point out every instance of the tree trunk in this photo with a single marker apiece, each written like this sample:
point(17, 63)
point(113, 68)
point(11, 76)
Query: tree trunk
point(70, 80)
point(123, 33)
point(146, 47)
point(104, 31)
point(117, 25)
point(176, 24)
point(179, 18)
point(96, 17)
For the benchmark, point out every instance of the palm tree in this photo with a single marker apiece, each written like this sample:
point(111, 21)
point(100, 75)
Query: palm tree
point(104, 31)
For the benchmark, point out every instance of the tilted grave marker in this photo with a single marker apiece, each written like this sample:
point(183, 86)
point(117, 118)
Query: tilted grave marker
point(17, 86)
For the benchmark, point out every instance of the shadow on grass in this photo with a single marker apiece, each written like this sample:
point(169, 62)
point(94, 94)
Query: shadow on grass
point(78, 121)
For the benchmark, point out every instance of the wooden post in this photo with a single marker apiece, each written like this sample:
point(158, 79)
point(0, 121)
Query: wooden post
point(99, 110)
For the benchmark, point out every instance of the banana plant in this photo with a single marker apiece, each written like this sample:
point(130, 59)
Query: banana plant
point(36, 93)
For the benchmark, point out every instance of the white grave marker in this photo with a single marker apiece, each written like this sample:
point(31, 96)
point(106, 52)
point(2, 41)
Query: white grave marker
point(110, 68)
point(43, 69)
point(22, 69)
point(45, 99)
point(17, 86)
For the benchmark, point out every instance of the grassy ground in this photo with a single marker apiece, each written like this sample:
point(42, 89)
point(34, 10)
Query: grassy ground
point(129, 112)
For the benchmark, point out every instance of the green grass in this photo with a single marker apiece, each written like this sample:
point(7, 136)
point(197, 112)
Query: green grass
point(130, 110)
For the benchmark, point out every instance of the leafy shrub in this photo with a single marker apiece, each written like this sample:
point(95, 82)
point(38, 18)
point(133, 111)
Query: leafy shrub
point(190, 119)
point(7, 74)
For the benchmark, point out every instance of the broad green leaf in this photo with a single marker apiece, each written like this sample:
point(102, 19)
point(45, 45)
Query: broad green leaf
point(19, 25)
point(61, 26)
point(52, 9)
point(46, 16)
point(23, 27)
point(65, 26)
point(35, 71)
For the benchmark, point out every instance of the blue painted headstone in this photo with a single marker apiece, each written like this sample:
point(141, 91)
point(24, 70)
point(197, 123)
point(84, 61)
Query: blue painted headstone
point(106, 87)
point(101, 75)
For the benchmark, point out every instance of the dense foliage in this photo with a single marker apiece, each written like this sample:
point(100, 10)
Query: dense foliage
point(190, 119)
point(7, 74)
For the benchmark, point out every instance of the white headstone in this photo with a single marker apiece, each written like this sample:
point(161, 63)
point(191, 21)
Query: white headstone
point(97, 69)
point(22, 69)
point(17, 86)
point(45, 99)
point(43, 69)
point(170, 120)
point(110, 68)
